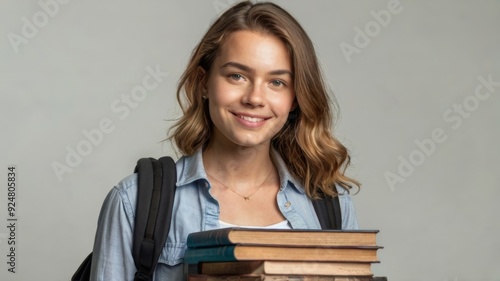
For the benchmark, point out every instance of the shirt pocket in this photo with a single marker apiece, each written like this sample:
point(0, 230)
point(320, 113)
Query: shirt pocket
point(172, 253)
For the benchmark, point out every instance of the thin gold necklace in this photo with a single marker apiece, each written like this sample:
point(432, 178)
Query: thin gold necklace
point(247, 198)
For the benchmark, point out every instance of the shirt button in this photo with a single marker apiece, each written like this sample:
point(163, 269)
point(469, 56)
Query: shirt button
point(206, 184)
point(288, 204)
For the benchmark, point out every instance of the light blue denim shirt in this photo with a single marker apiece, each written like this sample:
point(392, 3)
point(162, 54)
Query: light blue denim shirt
point(194, 210)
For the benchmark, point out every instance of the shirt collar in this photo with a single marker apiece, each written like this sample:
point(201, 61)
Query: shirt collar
point(190, 169)
point(286, 178)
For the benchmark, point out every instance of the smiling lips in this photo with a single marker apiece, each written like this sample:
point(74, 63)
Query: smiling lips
point(252, 121)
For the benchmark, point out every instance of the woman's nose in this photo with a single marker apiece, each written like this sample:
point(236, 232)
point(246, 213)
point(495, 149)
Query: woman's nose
point(254, 95)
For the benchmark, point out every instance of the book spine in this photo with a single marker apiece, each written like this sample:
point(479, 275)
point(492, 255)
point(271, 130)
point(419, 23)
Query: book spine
point(220, 254)
point(209, 238)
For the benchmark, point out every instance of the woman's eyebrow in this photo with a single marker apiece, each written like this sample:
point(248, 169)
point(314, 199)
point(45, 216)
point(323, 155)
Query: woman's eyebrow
point(238, 65)
point(251, 70)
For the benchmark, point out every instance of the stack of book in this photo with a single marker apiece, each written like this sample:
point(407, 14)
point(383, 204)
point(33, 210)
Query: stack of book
point(277, 254)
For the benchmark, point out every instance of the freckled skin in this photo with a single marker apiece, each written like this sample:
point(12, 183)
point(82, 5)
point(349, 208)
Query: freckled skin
point(250, 89)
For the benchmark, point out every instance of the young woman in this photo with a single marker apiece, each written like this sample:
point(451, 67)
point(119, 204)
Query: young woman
point(256, 139)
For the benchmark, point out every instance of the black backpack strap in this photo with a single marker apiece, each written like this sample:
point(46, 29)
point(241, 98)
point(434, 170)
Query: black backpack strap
point(83, 271)
point(328, 212)
point(155, 198)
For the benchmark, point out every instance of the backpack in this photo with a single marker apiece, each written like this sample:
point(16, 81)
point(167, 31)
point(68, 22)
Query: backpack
point(155, 197)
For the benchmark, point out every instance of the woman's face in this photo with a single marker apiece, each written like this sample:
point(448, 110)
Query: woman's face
point(250, 89)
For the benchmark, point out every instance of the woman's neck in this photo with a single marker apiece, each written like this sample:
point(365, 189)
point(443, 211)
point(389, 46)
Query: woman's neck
point(237, 164)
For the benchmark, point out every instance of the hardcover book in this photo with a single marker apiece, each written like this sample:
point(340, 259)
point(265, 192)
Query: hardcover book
point(254, 252)
point(284, 237)
point(286, 267)
point(200, 277)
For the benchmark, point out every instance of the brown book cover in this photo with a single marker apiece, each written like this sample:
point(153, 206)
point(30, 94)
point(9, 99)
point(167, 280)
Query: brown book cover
point(264, 277)
point(284, 237)
point(286, 267)
point(252, 252)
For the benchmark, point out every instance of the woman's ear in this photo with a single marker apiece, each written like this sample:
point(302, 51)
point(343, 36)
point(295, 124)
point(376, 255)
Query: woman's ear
point(202, 73)
point(294, 105)
point(292, 115)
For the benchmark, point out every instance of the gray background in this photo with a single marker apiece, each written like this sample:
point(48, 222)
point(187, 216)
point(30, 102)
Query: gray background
point(440, 223)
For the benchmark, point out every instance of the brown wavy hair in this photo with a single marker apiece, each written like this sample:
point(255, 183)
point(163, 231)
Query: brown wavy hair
point(306, 142)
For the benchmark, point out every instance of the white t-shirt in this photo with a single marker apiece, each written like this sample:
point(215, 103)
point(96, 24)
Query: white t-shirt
point(280, 225)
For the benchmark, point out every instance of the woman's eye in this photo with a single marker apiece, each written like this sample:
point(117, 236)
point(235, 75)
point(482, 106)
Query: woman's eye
point(236, 76)
point(277, 83)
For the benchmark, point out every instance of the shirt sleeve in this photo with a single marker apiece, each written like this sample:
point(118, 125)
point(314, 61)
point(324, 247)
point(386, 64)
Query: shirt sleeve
point(112, 255)
point(349, 218)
